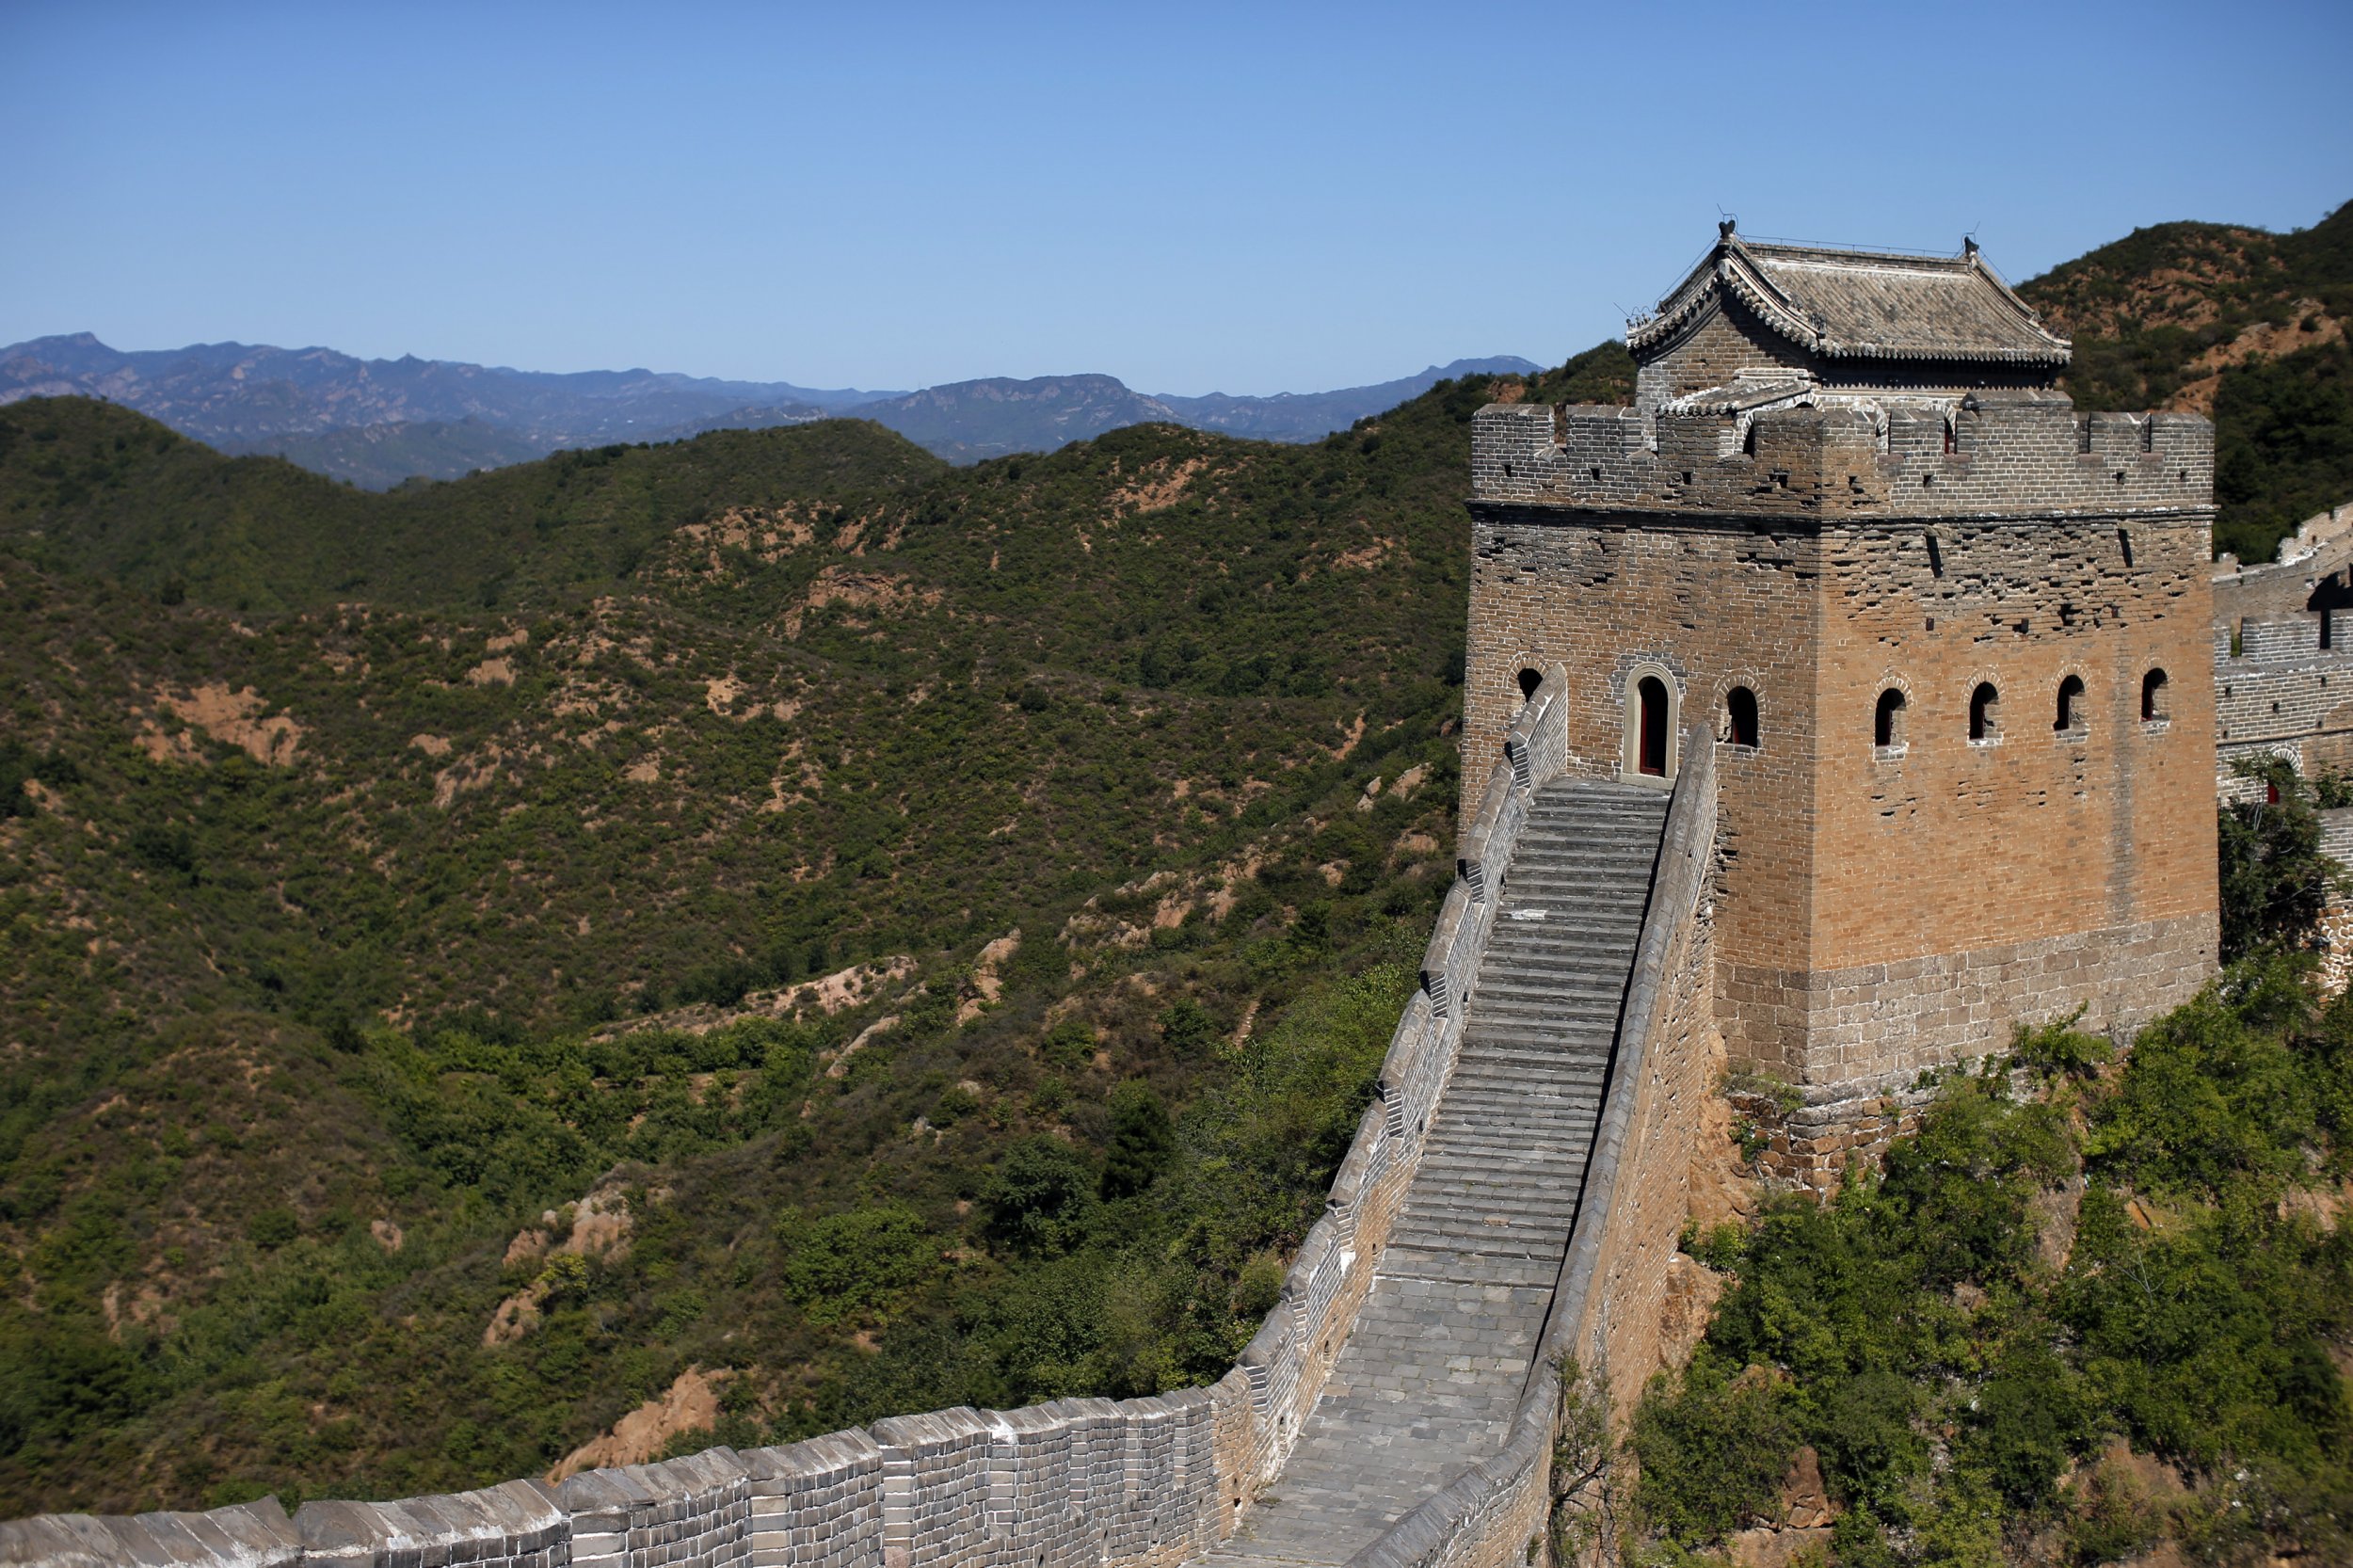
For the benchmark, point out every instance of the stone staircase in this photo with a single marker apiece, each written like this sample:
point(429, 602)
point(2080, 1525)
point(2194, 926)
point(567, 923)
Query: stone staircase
point(1428, 1381)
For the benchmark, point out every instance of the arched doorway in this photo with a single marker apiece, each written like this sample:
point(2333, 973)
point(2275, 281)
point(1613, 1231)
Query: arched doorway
point(1650, 752)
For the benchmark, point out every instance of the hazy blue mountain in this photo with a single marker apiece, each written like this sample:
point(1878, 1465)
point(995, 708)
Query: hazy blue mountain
point(378, 421)
point(379, 456)
point(250, 397)
point(1311, 416)
point(967, 421)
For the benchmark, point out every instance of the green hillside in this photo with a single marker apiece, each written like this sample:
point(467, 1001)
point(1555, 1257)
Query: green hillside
point(333, 910)
point(89, 487)
point(379, 456)
point(2243, 324)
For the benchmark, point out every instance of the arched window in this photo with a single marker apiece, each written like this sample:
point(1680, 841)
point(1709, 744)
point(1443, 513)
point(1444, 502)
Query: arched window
point(2071, 705)
point(2153, 696)
point(1741, 716)
point(1985, 712)
point(1651, 742)
point(1887, 724)
point(1529, 680)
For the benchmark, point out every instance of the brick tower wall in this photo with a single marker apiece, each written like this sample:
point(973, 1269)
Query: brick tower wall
point(1887, 912)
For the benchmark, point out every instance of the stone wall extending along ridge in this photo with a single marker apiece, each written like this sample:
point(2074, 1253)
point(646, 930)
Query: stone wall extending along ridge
point(1139, 1483)
point(1606, 1308)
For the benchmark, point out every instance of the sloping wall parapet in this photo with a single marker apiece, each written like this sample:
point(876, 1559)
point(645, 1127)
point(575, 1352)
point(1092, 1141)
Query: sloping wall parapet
point(1634, 1208)
point(1139, 1483)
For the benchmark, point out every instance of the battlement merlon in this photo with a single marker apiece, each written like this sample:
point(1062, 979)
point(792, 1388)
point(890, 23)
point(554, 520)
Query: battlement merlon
point(1991, 457)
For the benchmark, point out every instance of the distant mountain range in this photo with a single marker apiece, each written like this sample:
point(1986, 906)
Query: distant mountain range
point(379, 422)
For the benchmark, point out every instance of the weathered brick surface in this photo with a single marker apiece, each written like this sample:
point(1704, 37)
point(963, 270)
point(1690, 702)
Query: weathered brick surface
point(1886, 909)
point(520, 1525)
point(690, 1512)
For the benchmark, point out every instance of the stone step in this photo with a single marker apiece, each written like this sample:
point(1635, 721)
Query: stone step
point(1523, 1263)
point(1473, 1228)
point(1572, 989)
point(1431, 1373)
point(1629, 854)
point(1593, 897)
point(1492, 1108)
point(1487, 1090)
point(1536, 1163)
point(1532, 1060)
point(1536, 1202)
point(1544, 945)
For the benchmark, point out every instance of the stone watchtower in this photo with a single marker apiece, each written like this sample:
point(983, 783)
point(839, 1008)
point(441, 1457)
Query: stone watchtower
point(1952, 638)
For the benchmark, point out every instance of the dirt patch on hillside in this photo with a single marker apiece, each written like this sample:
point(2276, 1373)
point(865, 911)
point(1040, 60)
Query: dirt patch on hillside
point(2266, 339)
point(231, 718)
point(690, 1404)
point(829, 994)
point(466, 774)
point(599, 1227)
point(987, 984)
point(858, 590)
point(1157, 486)
point(1365, 557)
point(766, 533)
point(1355, 737)
point(492, 672)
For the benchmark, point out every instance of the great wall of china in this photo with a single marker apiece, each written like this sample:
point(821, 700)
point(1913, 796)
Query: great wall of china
point(1837, 707)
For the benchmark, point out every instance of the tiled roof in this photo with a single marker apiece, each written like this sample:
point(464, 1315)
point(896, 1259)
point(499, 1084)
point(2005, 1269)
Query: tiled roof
point(1862, 304)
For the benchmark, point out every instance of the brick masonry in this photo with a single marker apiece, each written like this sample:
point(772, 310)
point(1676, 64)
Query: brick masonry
point(1886, 909)
point(2278, 690)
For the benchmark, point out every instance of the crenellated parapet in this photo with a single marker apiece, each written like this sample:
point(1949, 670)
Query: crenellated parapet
point(2015, 456)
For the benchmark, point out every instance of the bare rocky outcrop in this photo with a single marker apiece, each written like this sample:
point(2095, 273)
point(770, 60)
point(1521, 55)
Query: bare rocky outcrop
point(691, 1403)
point(232, 717)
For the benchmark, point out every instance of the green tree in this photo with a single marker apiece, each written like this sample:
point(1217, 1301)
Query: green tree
point(2274, 878)
point(1141, 1139)
point(1042, 1197)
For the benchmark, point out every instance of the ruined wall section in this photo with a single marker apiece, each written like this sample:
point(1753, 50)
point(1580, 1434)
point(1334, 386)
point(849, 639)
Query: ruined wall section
point(2277, 693)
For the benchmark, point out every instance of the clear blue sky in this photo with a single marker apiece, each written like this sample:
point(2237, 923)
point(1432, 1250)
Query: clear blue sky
point(1247, 198)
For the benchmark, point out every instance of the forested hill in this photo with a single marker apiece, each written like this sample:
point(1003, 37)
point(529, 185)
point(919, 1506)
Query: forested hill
point(2243, 324)
point(91, 488)
point(952, 915)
